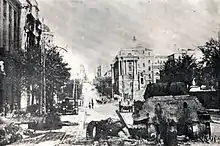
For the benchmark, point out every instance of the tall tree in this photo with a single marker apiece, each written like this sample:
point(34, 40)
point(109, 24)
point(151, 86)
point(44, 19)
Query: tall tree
point(57, 74)
point(179, 70)
point(210, 64)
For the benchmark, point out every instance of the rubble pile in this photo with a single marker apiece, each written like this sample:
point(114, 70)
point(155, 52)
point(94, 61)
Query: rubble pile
point(171, 106)
point(47, 122)
point(9, 132)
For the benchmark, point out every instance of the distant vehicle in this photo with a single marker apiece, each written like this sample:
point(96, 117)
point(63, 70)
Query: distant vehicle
point(68, 106)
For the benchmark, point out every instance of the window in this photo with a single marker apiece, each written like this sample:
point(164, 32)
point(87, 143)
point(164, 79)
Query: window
point(10, 27)
point(143, 64)
point(149, 68)
point(149, 76)
point(16, 39)
point(130, 66)
point(143, 52)
point(4, 8)
point(142, 80)
point(148, 61)
point(130, 76)
point(148, 53)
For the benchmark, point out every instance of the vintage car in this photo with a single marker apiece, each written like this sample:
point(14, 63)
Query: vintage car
point(67, 107)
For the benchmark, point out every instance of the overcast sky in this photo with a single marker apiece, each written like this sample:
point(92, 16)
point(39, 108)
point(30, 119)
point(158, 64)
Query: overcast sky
point(94, 30)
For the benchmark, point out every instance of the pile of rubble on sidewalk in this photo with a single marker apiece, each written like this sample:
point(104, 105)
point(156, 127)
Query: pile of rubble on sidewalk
point(20, 128)
point(9, 132)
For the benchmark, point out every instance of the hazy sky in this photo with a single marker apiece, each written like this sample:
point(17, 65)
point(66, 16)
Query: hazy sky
point(94, 30)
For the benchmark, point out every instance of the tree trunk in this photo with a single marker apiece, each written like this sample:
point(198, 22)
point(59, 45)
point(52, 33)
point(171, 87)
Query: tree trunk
point(28, 95)
point(12, 97)
point(32, 94)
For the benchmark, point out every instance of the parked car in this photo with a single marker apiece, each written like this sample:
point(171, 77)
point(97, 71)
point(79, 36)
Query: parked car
point(68, 107)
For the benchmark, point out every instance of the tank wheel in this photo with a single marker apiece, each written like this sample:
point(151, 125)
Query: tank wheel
point(91, 130)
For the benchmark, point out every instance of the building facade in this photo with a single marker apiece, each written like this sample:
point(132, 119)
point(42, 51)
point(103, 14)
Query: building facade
point(10, 44)
point(31, 36)
point(159, 61)
point(144, 63)
point(125, 74)
point(103, 70)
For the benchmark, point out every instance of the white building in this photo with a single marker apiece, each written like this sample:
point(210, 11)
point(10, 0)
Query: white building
point(144, 63)
point(103, 70)
point(159, 61)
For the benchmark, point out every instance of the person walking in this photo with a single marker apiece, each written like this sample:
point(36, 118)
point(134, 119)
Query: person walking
point(92, 103)
point(89, 105)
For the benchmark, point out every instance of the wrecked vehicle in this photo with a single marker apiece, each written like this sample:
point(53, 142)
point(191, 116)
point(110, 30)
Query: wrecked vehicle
point(49, 121)
point(170, 101)
point(168, 114)
point(102, 129)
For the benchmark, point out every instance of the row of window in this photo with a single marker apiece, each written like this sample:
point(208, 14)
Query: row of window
point(142, 79)
point(148, 53)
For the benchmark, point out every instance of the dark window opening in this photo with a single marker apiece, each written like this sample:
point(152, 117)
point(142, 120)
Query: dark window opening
point(142, 80)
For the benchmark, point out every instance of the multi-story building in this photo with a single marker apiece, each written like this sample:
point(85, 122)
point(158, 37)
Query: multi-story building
point(10, 43)
point(144, 63)
point(125, 73)
point(102, 70)
point(159, 61)
point(82, 74)
point(31, 36)
point(108, 73)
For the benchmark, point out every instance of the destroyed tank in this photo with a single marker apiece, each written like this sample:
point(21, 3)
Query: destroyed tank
point(170, 102)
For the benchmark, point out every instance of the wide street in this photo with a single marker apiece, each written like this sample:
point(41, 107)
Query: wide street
point(77, 132)
point(71, 135)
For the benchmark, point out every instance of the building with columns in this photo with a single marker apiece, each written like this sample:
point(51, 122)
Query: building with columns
point(125, 74)
point(10, 44)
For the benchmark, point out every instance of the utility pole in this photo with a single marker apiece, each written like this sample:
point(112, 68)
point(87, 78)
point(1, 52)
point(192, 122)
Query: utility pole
point(112, 74)
point(43, 101)
point(74, 84)
point(132, 90)
point(122, 73)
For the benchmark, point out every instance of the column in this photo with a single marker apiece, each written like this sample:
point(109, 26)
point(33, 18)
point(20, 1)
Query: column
point(1, 23)
point(136, 66)
point(7, 27)
point(125, 67)
point(12, 45)
point(119, 67)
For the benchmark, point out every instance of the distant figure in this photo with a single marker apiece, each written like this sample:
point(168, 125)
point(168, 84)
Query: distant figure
point(92, 104)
